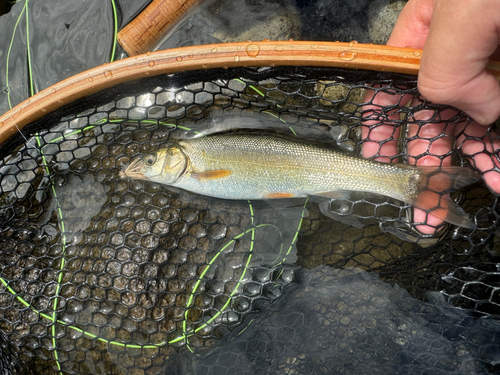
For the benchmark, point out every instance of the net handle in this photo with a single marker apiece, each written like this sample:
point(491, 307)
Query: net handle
point(152, 24)
point(256, 54)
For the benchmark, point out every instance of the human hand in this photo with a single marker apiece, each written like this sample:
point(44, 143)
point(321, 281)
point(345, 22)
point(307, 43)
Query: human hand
point(456, 47)
point(458, 38)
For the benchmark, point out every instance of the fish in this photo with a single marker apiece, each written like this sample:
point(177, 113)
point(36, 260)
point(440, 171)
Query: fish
point(251, 166)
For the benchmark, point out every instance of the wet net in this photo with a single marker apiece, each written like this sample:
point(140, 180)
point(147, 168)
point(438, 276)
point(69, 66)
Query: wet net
point(100, 274)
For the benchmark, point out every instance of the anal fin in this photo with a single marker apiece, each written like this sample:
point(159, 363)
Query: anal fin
point(336, 194)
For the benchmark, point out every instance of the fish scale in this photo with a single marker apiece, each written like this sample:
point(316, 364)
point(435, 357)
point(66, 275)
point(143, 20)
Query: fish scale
point(244, 166)
point(267, 164)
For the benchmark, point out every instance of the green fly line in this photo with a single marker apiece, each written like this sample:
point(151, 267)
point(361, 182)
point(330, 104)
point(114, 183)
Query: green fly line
point(28, 48)
point(53, 316)
point(266, 112)
point(25, 13)
point(8, 55)
point(115, 31)
point(61, 268)
point(186, 333)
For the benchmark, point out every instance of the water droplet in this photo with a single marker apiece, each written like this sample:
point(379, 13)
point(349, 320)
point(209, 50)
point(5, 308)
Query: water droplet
point(151, 63)
point(290, 40)
point(352, 43)
point(190, 55)
point(204, 66)
point(148, 53)
point(108, 74)
point(44, 110)
point(265, 40)
point(417, 53)
point(236, 58)
point(239, 48)
point(278, 48)
point(90, 79)
point(213, 50)
point(314, 46)
point(178, 58)
point(225, 67)
point(53, 90)
point(347, 56)
point(252, 50)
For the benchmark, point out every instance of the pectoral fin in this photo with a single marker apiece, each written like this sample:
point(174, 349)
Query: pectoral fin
point(211, 175)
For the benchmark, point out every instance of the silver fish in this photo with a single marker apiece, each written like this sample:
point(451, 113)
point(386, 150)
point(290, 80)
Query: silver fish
point(242, 166)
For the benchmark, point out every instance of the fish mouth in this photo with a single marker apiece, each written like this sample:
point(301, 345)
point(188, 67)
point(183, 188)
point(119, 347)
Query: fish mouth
point(133, 170)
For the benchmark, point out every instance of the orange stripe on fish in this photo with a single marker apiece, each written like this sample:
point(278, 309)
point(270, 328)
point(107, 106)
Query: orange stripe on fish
point(211, 175)
point(279, 195)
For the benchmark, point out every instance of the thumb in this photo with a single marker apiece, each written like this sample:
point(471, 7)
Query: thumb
point(462, 37)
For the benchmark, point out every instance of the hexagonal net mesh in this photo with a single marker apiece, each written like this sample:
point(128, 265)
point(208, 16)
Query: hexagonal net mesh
point(101, 274)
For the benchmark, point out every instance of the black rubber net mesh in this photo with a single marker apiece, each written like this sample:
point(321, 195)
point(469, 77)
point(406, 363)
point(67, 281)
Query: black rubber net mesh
point(105, 275)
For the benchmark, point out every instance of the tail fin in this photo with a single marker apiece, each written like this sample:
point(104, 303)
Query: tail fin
point(433, 186)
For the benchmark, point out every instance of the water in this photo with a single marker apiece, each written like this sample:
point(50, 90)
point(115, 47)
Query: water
point(350, 322)
point(105, 275)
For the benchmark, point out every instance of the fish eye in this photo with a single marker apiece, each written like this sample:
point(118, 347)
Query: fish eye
point(150, 160)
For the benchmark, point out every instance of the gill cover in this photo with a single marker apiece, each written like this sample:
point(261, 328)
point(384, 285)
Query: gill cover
point(166, 166)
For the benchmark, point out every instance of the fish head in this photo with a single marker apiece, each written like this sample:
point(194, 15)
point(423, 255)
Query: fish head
point(166, 166)
point(171, 164)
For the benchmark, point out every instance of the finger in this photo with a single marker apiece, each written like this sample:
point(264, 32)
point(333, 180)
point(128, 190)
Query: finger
point(430, 143)
point(378, 136)
point(412, 25)
point(431, 140)
point(379, 132)
point(483, 150)
point(462, 37)
point(410, 30)
point(486, 163)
